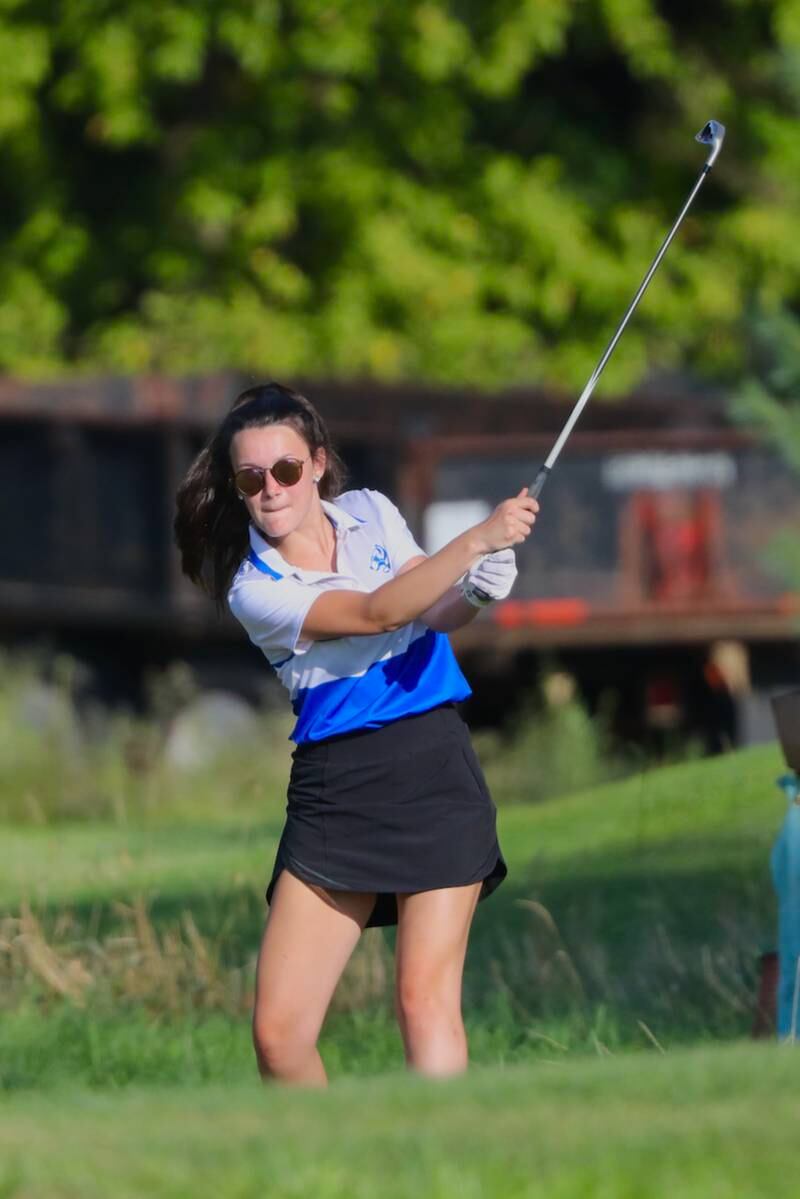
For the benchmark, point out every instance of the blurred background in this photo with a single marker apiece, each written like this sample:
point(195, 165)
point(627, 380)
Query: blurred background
point(430, 217)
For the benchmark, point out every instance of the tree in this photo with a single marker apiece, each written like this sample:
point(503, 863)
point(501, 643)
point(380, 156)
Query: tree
point(453, 190)
point(769, 403)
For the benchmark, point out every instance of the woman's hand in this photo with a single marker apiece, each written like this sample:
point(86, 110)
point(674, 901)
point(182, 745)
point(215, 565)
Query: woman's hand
point(509, 524)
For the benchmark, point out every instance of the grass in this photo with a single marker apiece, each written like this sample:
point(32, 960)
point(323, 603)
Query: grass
point(714, 1122)
point(704, 812)
point(114, 1049)
point(63, 765)
point(610, 984)
point(633, 912)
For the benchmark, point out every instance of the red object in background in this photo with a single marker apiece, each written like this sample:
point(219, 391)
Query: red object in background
point(513, 614)
point(661, 691)
point(764, 1021)
point(663, 701)
point(678, 534)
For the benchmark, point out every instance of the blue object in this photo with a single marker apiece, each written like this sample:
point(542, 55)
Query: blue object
point(253, 557)
point(421, 677)
point(785, 862)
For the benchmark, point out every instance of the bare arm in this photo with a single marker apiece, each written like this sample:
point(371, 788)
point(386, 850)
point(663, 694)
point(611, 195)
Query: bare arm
point(416, 590)
point(449, 613)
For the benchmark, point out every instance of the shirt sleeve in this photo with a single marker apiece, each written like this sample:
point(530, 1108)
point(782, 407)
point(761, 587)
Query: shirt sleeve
point(400, 542)
point(272, 612)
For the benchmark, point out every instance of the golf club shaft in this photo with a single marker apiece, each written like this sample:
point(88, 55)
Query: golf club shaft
point(541, 478)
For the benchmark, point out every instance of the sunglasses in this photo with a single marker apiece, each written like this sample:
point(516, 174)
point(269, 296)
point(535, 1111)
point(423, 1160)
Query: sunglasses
point(250, 480)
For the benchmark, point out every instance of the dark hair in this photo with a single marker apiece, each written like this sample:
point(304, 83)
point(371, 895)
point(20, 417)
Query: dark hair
point(211, 522)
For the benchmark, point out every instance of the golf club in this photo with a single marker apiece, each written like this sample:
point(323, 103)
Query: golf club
point(712, 134)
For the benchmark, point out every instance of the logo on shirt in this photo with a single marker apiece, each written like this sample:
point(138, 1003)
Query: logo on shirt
point(380, 559)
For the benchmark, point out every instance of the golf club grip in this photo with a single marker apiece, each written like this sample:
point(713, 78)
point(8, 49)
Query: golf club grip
point(535, 489)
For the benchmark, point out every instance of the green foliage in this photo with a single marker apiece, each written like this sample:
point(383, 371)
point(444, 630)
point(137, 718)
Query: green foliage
point(554, 749)
point(458, 192)
point(57, 764)
point(768, 403)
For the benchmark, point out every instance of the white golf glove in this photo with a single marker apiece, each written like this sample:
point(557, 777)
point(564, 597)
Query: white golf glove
point(491, 579)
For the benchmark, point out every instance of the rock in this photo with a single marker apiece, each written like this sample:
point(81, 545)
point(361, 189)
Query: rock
point(214, 722)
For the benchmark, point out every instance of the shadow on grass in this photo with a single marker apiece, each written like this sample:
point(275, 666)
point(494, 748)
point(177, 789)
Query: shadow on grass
point(669, 938)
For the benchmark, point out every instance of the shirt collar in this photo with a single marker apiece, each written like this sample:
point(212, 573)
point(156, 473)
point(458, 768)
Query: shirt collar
point(343, 521)
point(265, 557)
point(274, 564)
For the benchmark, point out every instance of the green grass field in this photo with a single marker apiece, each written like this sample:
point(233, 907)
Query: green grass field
point(695, 1123)
point(609, 990)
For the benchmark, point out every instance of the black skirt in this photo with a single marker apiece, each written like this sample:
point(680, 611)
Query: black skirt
point(398, 809)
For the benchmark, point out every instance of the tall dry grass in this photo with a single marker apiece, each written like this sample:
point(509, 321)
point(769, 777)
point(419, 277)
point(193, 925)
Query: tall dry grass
point(538, 971)
point(168, 970)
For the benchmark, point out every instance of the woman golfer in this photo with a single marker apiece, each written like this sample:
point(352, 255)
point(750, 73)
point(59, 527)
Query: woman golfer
point(388, 817)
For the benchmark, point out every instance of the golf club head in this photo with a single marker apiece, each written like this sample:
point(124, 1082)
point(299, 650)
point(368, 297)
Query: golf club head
point(712, 134)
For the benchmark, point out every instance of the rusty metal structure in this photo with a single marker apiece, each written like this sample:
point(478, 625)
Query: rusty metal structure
point(652, 543)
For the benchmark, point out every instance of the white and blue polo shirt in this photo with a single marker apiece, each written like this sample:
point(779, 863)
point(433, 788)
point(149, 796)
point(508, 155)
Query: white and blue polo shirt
point(347, 683)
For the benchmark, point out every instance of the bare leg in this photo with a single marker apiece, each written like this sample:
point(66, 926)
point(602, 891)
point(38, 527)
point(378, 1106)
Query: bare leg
point(309, 937)
point(432, 934)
